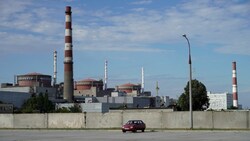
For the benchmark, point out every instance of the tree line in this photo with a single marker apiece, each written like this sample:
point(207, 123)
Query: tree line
point(41, 104)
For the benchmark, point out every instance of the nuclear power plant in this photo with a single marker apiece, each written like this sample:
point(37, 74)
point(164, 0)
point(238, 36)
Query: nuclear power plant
point(95, 95)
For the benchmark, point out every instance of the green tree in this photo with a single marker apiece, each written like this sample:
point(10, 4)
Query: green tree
point(62, 110)
point(73, 109)
point(200, 99)
point(38, 104)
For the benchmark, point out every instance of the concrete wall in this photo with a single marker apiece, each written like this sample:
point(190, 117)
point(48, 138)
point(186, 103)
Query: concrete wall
point(30, 121)
point(66, 120)
point(6, 120)
point(175, 120)
point(231, 120)
point(104, 120)
point(154, 119)
point(203, 120)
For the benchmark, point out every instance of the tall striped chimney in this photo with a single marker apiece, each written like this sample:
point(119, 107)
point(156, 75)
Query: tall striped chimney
point(142, 80)
point(234, 86)
point(55, 68)
point(68, 58)
point(106, 75)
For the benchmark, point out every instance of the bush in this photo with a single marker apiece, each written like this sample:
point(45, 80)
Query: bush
point(38, 104)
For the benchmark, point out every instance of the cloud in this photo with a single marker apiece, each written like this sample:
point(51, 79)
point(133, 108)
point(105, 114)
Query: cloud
point(9, 7)
point(138, 9)
point(205, 22)
point(222, 23)
point(28, 29)
point(225, 24)
point(18, 43)
point(119, 47)
point(142, 2)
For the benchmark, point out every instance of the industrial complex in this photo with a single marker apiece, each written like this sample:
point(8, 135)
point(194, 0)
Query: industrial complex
point(94, 95)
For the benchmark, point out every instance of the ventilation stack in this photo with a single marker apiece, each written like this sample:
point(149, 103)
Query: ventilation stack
point(106, 75)
point(142, 80)
point(68, 58)
point(55, 68)
point(234, 86)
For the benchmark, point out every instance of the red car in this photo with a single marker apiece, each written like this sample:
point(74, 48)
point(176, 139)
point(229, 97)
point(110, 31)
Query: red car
point(134, 125)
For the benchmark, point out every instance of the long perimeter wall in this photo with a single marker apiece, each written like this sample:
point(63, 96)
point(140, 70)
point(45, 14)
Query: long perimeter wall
point(154, 119)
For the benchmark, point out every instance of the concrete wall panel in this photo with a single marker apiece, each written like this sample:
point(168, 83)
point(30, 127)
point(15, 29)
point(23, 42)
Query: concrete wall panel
point(202, 120)
point(104, 120)
point(6, 120)
point(175, 120)
point(30, 121)
point(230, 120)
point(66, 120)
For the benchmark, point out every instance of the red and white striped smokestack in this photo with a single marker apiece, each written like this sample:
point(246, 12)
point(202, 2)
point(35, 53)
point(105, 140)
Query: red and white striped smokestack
point(234, 86)
point(68, 58)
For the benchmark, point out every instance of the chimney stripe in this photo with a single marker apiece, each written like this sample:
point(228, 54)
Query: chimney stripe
point(67, 18)
point(68, 32)
point(68, 39)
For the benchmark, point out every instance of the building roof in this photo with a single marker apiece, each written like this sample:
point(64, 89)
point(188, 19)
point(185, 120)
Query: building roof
point(87, 80)
point(127, 85)
point(34, 73)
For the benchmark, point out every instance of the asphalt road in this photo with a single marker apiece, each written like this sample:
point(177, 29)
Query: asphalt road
point(115, 135)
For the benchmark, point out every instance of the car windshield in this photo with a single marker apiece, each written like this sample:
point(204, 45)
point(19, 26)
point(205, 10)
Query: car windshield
point(134, 122)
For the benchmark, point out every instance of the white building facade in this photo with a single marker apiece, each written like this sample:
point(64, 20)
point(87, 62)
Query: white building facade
point(219, 101)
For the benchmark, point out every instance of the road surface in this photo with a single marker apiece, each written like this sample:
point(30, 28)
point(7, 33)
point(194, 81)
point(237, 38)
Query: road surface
point(117, 135)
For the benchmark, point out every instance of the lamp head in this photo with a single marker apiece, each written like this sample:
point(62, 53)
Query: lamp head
point(184, 35)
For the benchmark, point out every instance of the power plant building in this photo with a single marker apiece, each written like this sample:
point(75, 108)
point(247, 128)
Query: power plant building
point(25, 86)
point(89, 88)
point(33, 83)
point(130, 89)
point(219, 101)
point(33, 79)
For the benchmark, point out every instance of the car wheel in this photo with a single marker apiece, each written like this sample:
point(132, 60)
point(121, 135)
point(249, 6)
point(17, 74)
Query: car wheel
point(134, 131)
point(142, 130)
point(124, 131)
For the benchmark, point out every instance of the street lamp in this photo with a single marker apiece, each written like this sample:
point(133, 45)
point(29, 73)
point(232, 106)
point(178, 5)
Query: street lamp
point(190, 83)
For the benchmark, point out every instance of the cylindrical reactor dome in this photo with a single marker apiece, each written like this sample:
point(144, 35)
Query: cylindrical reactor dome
point(86, 84)
point(34, 79)
point(129, 88)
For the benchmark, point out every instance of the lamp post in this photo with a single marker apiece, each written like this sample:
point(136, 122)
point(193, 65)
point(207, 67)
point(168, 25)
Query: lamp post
point(190, 83)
